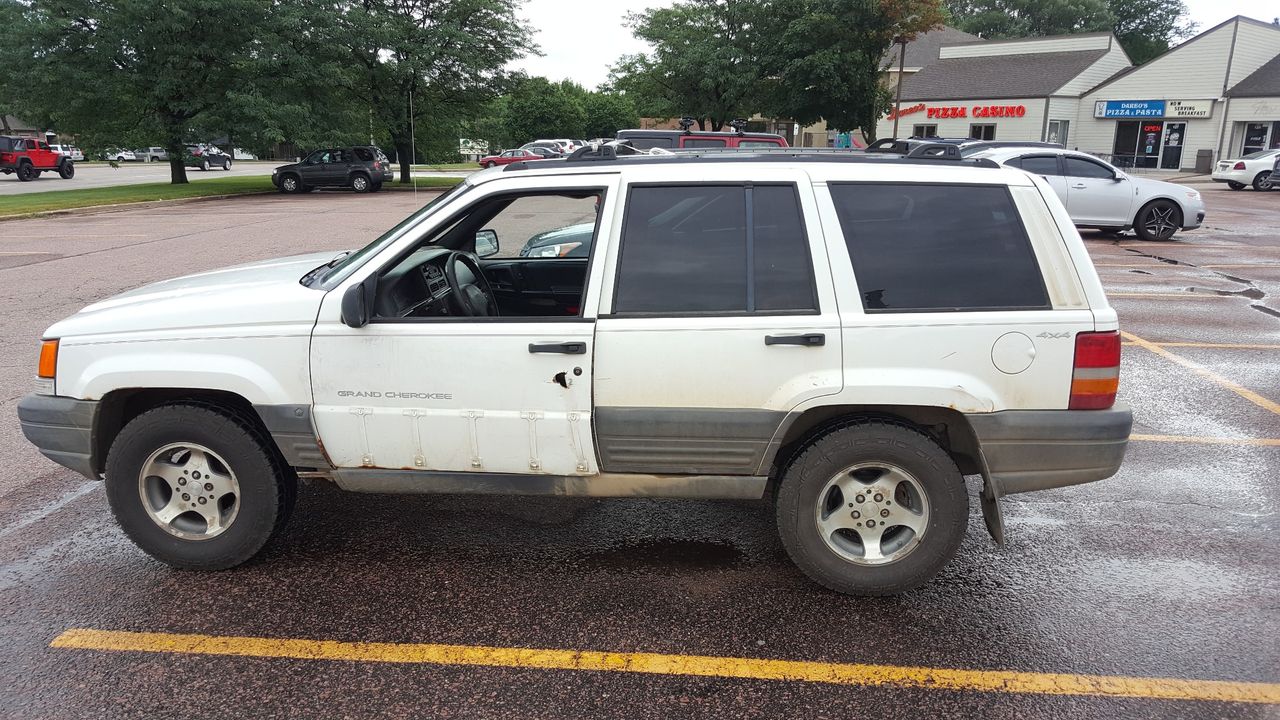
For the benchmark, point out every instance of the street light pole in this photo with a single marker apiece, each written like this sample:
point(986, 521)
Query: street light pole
point(901, 41)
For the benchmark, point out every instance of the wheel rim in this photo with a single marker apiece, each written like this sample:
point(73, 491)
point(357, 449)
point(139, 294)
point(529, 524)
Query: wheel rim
point(290, 184)
point(872, 513)
point(1264, 182)
point(189, 491)
point(360, 183)
point(1160, 221)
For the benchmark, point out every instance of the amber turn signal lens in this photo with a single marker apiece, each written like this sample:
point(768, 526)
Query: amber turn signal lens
point(48, 359)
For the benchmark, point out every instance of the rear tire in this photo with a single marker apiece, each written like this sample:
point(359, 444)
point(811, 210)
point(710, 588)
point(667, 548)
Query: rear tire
point(1158, 220)
point(916, 483)
point(1235, 185)
point(249, 495)
point(204, 165)
point(1263, 181)
point(360, 183)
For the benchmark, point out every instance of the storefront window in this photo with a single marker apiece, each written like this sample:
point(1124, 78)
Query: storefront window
point(1255, 137)
point(1137, 144)
point(924, 131)
point(1058, 131)
point(982, 132)
point(1171, 155)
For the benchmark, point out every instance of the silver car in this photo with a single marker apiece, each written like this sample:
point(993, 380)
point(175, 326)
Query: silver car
point(1099, 195)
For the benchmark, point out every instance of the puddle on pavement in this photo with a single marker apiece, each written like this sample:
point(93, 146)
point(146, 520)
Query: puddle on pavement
point(667, 556)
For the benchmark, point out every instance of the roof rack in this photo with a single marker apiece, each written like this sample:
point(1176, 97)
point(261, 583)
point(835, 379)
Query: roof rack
point(927, 154)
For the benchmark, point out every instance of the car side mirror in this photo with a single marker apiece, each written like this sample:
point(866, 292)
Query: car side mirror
point(357, 302)
point(1117, 177)
point(486, 243)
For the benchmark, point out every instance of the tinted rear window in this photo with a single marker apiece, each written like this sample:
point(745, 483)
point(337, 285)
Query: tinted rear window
point(938, 248)
point(365, 154)
point(7, 144)
point(689, 249)
point(645, 143)
point(702, 143)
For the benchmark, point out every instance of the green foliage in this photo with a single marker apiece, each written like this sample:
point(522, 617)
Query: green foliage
point(823, 57)
point(542, 109)
point(607, 113)
point(704, 63)
point(1145, 28)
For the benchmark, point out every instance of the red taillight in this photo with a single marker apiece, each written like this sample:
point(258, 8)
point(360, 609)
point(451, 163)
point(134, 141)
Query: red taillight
point(377, 165)
point(1095, 375)
point(1238, 166)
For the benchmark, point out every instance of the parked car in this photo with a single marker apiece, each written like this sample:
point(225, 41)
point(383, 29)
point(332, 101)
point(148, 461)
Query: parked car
point(70, 151)
point(1253, 169)
point(1099, 195)
point(714, 345)
point(362, 168)
point(151, 154)
point(544, 152)
point(546, 148)
point(205, 157)
point(687, 139)
point(119, 155)
point(509, 156)
point(28, 157)
point(569, 241)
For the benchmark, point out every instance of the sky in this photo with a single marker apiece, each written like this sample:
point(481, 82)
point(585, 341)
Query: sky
point(580, 40)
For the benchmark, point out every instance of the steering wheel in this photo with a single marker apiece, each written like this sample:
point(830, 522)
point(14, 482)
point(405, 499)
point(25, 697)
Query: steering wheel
point(474, 298)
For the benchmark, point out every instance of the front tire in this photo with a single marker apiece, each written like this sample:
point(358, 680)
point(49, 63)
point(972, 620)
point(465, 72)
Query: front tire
point(66, 170)
point(227, 164)
point(197, 488)
point(872, 508)
point(290, 184)
point(1158, 220)
point(1263, 181)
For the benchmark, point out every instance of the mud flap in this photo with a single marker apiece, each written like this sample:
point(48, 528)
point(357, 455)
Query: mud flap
point(990, 498)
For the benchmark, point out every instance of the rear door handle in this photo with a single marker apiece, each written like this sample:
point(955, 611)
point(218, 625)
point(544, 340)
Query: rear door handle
point(810, 340)
point(565, 348)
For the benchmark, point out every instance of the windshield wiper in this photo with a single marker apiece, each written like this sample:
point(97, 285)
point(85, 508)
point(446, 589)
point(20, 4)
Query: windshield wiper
point(313, 275)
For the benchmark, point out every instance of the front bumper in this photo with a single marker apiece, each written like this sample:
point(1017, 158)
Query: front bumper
point(1028, 450)
point(62, 429)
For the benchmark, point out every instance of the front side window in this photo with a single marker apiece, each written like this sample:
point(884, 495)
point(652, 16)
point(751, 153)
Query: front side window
point(938, 248)
point(718, 249)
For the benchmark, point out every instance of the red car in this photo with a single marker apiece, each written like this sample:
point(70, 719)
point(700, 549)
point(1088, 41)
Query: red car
point(508, 157)
point(28, 157)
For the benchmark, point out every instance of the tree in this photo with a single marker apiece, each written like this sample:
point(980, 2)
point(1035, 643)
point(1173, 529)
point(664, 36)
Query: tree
point(607, 113)
point(411, 60)
point(823, 57)
point(538, 108)
point(135, 69)
point(1145, 28)
point(703, 65)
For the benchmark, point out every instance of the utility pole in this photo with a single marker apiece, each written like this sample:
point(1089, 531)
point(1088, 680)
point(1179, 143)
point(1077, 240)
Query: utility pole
point(901, 42)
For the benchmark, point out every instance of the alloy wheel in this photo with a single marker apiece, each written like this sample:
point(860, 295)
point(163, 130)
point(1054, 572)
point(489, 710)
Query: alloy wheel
point(189, 491)
point(872, 513)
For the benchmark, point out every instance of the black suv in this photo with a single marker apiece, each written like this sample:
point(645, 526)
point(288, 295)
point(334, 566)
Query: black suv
point(362, 168)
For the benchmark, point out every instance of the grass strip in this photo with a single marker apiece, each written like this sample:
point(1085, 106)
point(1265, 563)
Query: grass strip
point(31, 203)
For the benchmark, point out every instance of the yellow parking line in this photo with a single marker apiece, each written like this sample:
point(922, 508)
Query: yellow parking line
point(1257, 442)
point(1229, 346)
point(1201, 370)
point(686, 665)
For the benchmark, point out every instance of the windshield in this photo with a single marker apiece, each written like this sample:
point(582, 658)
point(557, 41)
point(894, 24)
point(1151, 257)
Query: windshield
point(349, 263)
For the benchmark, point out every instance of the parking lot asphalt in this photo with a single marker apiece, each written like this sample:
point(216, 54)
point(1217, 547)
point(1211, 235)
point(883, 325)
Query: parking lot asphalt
point(1155, 593)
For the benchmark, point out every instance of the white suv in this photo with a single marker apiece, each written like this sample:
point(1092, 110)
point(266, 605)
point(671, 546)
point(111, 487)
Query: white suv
point(845, 336)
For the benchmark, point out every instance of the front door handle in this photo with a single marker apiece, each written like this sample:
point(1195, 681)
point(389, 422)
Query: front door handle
point(1079, 186)
point(810, 340)
point(564, 348)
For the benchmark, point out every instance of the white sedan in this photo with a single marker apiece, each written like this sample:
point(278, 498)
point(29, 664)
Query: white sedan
point(1098, 195)
point(1252, 169)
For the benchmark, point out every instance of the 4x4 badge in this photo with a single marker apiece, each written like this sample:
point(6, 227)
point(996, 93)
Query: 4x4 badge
point(1054, 336)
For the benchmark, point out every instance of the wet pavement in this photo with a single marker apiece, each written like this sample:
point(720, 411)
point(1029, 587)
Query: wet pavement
point(1171, 569)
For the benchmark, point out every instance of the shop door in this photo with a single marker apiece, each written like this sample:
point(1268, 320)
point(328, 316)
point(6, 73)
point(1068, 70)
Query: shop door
point(1123, 152)
point(1255, 137)
point(1171, 157)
